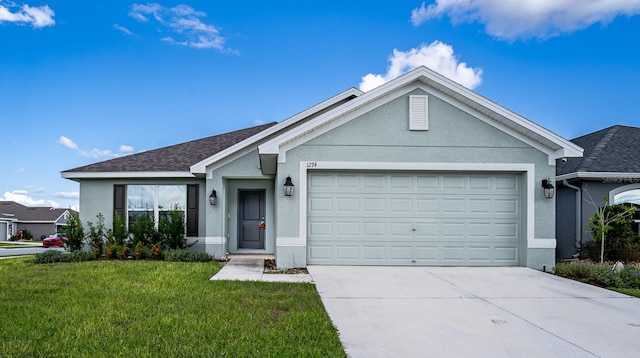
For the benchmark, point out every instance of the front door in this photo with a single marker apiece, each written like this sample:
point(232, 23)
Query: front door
point(251, 220)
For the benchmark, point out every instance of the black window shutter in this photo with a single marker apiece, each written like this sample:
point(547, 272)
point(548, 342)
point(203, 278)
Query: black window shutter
point(192, 209)
point(119, 201)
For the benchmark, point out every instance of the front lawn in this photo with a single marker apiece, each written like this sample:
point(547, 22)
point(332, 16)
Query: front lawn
point(155, 308)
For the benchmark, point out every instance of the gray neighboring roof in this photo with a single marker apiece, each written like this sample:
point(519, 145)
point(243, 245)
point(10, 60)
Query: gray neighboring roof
point(174, 158)
point(22, 213)
point(610, 150)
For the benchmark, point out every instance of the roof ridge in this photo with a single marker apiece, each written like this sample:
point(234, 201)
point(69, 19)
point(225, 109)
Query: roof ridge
point(588, 162)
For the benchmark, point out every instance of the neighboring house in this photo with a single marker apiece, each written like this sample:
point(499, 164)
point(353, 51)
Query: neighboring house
point(419, 171)
point(610, 168)
point(40, 221)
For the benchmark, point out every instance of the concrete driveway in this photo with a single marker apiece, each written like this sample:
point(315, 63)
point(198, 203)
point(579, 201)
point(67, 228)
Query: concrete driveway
point(475, 312)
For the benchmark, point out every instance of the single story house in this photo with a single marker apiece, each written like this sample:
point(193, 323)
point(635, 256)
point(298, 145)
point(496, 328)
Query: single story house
point(418, 171)
point(610, 168)
point(40, 221)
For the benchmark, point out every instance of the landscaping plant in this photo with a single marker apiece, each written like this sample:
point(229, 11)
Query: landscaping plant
point(612, 234)
point(74, 233)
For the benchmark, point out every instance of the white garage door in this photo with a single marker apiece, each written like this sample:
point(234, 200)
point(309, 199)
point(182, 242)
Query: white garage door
point(414, 218)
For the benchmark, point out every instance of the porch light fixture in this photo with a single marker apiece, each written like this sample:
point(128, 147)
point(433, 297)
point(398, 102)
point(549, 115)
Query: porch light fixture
point(213, 198)
point(549, 190)
point(288, 187)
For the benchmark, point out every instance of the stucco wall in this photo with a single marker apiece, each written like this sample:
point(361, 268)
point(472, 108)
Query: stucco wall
point(96, 197)
point(221, 220)
point(454, 136)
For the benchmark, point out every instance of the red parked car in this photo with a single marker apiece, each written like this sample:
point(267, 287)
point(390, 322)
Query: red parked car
point(54, 240)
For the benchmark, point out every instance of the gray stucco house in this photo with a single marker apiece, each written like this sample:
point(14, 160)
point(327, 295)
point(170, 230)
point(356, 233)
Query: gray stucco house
point(419, 171)
point(610, 168)
point(39, 220)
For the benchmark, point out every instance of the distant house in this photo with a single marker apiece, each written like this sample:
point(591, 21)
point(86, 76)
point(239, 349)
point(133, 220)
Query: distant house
point(40, 221)
point(419, 171)
point(610, 168)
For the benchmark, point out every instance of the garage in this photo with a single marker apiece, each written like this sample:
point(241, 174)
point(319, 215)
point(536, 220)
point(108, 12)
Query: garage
point(415, 218)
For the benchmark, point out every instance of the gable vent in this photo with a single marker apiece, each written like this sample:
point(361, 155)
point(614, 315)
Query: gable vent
point(418, 113)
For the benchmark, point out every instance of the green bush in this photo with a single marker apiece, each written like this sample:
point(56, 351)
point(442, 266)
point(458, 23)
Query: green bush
point(143, 230)
point(593, 274)
point(74, 233)
point(630, 277)
point(614, 223)
point(600, 275)
point(119, 233)
point(171, 228)
point(185, 255)
point(97, 235)
point(52, 256)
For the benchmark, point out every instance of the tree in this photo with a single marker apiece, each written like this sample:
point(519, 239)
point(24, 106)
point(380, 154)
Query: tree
point(608, 217)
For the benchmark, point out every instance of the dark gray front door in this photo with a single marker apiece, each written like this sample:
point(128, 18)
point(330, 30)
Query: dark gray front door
point(251, 221)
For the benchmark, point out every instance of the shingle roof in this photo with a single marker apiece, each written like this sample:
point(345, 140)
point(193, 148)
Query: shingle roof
point(612, 150)
point(175, 158)
point(19, 212)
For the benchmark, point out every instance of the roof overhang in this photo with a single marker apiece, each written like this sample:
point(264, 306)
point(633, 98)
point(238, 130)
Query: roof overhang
point(109, 175)
point(200, 167)
point(598, 175)
point(552, 144)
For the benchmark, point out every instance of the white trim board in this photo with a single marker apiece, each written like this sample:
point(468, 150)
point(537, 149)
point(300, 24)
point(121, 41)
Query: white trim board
point(527, 169)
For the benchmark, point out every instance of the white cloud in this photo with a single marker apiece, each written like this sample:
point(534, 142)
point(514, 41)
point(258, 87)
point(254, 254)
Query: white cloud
point(96, 153)
point(523, 19)
point(23, 197)
point(93, 153)
point(437, 56)
point(126, 148)
point(67, 195)
point(258, 122)
point(184, 23)
point(21, 170)
point(67, 142)
point(36, 16)
point(123, 29)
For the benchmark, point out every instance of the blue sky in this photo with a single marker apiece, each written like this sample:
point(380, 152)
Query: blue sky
point(86, 81)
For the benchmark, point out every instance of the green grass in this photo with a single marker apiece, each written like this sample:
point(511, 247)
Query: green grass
point(635, 292)
point(155, 308)
point(8, 245)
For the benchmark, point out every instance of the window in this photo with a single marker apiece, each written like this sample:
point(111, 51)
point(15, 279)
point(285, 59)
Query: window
point(631, 198)
point(157, 200)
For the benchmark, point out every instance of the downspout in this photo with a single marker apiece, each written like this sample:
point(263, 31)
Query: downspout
point(578, 213)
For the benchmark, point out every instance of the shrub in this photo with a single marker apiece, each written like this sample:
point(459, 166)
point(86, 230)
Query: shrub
point(140, 251)
point(143, 230)
point(49, 256)
point(611, 223)
point(111, 251)
point(52, 256)
point(594, 274)
point(185, 255)
point(155, 252)
point(119, 233)
point(97, 235)
point(630, 277)
point(74, 233)
point(171, 228)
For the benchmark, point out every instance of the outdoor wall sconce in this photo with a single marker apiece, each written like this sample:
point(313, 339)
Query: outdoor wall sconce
point(213, 198)
point(549, 190)
point(288, 187)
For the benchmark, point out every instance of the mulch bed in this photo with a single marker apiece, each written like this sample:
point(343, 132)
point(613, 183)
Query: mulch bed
point(271, 267)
